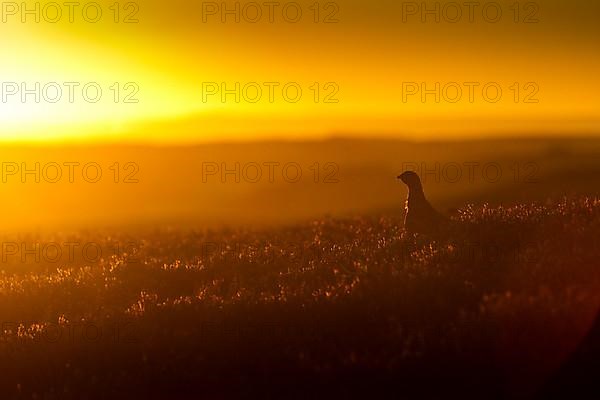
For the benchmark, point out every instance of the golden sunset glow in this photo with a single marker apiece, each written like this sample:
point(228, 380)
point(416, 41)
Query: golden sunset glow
point(311, 199)
point(359, 64)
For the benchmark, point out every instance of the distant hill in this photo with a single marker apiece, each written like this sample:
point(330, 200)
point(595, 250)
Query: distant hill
point(338, 177)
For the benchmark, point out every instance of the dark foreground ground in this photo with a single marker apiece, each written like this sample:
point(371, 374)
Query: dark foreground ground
point(504, 307)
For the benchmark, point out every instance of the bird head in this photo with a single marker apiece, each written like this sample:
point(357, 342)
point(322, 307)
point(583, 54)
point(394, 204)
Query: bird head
point(411, 179)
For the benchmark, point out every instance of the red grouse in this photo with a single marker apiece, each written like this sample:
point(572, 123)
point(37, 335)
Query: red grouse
point(420, 216)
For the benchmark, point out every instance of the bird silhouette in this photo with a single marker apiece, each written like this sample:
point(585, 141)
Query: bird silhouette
point(420, 216)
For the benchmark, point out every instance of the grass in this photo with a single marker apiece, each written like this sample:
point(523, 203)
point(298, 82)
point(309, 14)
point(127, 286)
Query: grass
point(333, 307)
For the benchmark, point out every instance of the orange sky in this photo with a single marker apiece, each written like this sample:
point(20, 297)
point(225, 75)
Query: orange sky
point(366, 58)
